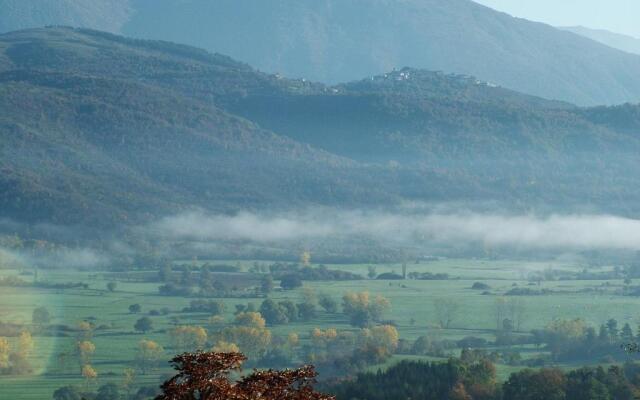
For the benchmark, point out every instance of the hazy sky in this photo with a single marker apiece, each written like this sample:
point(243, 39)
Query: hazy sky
point(620, 16)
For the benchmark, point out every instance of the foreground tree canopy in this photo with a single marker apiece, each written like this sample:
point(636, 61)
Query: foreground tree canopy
point(205, 376)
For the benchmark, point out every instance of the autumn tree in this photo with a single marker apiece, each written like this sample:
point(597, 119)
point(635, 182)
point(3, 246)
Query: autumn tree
point(89, 374)
point(5, 351)
point(128, 379)
point(250, 319)
point(84, 351)
point(480, 379)
point(225, 347)
point(206, 376)
point(85, 330)
point(216, 322)
point(293, 339)
point(148, 355)
point(362, 310)
point(330, 344)
point(19, 359)
point(378, 343)
point(305, 258)
point(560, 333)
point(188, 338)
point(459, 392)
point(249, 333)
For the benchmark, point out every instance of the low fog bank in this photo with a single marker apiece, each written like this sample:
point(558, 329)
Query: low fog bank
point(332, 236)
point(554, 232)
point(53, 258)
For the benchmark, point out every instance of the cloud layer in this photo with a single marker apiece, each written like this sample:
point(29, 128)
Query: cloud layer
point(577, 232)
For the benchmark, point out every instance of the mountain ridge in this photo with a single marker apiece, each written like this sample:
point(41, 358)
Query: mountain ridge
point(340, 41)
point(107, 130)
point(83, 141)
point(321, 41)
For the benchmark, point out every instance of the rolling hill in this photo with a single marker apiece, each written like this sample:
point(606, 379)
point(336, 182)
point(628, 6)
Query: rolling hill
point(78, 146)
point(102, 129)
point(335, 41)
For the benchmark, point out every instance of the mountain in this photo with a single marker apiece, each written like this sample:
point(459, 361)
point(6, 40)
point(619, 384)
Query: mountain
point(342, 40)
point(98, 14)
point(106, 130)
point(83, 139)
point(618, 41)
point(517, 148)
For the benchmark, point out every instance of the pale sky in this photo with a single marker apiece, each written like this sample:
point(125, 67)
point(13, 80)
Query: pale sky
point(621, 16)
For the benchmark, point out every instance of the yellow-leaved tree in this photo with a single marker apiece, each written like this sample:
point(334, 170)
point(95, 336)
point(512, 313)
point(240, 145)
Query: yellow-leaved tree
point(305, 258)
point(19, 359)
point(84, 351)
point(128, 378)
point(85, 330)
point(25, 344)
point(381, 340)
point(148, 355)
point(362, 310)
point(188, 338)
point(89, 374)
point(225, 347)
point(5, 350)
point(248, 333)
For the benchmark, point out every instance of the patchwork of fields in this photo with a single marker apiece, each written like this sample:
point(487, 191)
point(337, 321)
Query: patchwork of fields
point(412, 312)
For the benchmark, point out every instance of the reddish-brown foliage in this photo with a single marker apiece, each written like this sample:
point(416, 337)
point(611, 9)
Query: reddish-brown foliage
point(205, 376)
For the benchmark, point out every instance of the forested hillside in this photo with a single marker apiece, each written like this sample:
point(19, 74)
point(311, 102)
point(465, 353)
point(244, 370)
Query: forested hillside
point(80, 146)
point(98, 127)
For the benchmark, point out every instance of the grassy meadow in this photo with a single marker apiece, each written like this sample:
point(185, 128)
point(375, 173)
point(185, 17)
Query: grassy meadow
point(412, 302)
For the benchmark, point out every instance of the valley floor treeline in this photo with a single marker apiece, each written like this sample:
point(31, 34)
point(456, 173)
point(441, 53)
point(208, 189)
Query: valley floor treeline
point(472, 378)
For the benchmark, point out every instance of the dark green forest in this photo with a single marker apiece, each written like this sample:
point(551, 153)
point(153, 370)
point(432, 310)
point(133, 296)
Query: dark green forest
point(460, 379)
point(104, 130)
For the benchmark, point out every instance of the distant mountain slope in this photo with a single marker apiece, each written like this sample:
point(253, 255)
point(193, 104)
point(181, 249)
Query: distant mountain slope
point(342, 40)
point(618, 41)
point(106, 15)
point(102, 129)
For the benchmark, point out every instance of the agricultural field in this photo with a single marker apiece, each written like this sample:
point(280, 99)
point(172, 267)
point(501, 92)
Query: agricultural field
point(414, 312)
